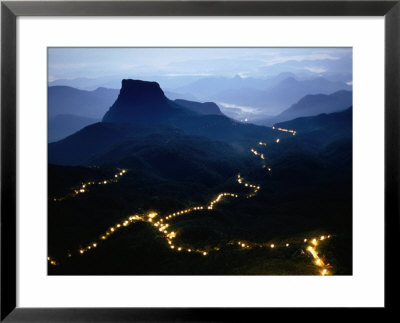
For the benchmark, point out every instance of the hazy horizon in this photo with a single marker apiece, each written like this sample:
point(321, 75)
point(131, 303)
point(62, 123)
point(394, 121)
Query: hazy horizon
point(248, 84)
point(71, 63)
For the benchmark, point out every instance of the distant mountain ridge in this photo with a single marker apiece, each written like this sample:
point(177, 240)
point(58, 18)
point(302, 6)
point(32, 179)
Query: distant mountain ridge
point(272, 95)
point(71, 101)
point(311, 105)
point(338, 121)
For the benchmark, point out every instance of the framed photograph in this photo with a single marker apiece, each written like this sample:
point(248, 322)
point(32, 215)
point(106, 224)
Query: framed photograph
point(197, 160)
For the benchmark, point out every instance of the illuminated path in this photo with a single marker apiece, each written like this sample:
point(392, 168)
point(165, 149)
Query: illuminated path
point(162, 225)
point(84, 187)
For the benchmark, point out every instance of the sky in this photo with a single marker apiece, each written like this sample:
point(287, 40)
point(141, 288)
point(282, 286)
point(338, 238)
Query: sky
point(71, 63)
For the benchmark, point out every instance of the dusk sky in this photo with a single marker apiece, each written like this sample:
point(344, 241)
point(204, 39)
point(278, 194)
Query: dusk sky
point(69, 63)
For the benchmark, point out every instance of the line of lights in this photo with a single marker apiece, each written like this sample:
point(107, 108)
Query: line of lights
point(83, 188)
point(312, 249)
point(255, 188)
point(162, 224)
point(255, 152)
point(52, 261)
point(293, 132)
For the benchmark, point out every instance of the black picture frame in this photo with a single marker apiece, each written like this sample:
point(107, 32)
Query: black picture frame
point(10, 10)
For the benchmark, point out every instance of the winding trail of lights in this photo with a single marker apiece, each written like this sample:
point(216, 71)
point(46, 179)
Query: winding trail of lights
point(162, 225)
point(84, 187)
point(293, 132)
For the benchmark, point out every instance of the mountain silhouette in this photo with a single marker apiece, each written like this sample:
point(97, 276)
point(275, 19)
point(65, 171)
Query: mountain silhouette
point(141, 101)
point(142, 109)
point(273, 94)
point(200, 108)
point(281, 95)
point(338, 121)
point(312, 105)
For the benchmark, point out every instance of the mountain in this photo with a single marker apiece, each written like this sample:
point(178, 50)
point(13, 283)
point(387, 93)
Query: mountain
point(184, 159)
point(173, 171)
point(141, 101)
point(312, 105)
point(200, 108)
point(272, 94)
point(322, 129)
point(97, 138)
point(274, 99)
point(142, 109)
point(85, 83)
point(89, 104)
point(208, 87)
point(322, 67)
point(63, 125)
point(338, 121)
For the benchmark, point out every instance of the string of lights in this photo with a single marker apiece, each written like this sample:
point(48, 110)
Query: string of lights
point(163, 225)
point(84, 187)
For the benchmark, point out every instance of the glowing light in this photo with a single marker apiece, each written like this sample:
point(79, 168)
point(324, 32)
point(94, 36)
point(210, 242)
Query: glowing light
point(324, 272)
point(305, 240)
point(152, 215)
point(322, 237)
point(171, 235)
point(287, 245)
point(204, 253)
point(277, 140)
point(272, 245)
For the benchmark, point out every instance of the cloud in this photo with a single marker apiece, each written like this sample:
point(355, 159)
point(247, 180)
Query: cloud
point(315, 69)
point(299, 58)
point(240, 107)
